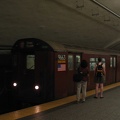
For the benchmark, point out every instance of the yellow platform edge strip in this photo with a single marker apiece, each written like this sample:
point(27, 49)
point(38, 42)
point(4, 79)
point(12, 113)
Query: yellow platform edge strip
point(46, 106)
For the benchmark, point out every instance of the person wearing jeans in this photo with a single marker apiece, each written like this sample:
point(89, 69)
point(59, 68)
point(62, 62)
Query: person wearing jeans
point(82, 85)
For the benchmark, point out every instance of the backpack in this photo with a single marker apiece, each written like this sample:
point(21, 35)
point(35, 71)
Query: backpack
point(99, 70)
point(77, 77)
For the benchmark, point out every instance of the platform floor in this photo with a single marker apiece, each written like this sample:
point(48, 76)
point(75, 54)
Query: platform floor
point(107, 108)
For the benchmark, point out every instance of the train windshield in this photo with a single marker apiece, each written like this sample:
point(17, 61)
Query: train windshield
point(30, 62)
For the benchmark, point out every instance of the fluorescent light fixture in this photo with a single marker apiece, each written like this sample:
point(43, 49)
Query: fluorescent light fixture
point(106, 8)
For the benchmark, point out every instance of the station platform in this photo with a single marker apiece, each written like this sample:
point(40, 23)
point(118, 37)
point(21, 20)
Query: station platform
point(107, 108)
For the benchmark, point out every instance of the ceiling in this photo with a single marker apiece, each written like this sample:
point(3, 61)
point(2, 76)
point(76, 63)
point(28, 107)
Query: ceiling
point(81, 23)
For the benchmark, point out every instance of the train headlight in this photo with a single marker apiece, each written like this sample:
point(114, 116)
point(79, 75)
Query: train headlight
point(36, 87)
point(15, 84)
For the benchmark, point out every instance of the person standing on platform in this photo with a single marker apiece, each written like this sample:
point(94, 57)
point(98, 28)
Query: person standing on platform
point(99, 78)
point(82, 85)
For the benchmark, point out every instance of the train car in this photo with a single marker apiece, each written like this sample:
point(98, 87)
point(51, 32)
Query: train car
point(5, 69)
point(5, 78)
point(43, 70)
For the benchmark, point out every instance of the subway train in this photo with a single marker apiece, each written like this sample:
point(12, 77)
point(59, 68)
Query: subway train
point(5, 68)
point(43, 70)
point(5, 78)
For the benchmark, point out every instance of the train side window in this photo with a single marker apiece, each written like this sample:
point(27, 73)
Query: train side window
point(93, 62)
point(30, 62)
point(112, 62)
point(70, 62)
point(77, 60)
point(103, 61)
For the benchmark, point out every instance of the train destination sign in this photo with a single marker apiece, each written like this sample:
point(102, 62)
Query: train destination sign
point(61, 58)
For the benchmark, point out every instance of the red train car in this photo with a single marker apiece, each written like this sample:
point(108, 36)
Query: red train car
point(43, 70)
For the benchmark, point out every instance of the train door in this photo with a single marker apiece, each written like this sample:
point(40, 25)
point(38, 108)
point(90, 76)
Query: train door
point(73, 64)
point(118, 69)
point(112, 69)
point(24, 69)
